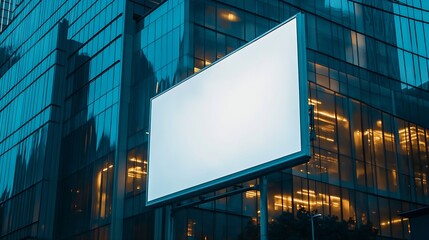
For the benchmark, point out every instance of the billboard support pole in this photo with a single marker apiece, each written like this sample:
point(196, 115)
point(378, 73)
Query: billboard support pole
point(263, 206)
point(169, 222)
point(158, 226)
point(163, 222)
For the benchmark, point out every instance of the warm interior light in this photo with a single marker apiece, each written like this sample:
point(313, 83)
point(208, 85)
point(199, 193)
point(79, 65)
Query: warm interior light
point(281, 203)
point(190, 228)
point(414, 133)
point(325, 138)
point(379, 123)
point(318, 199)
point(251, 194)
point(398, 220)
point(107, 168)
point(232, 17)
point(313, 102)
point(206, 63)
point(101, 197)
point(135, 160)
point(136, 170)
point(229, 16)
point(139, 170)
point(330, 115)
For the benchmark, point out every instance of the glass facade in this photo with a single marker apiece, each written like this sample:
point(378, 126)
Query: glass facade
point(60, 76)
point(76, 78)
point(7, 8)
point(368, 84)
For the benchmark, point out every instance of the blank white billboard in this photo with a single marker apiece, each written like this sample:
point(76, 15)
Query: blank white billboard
point(244, 113)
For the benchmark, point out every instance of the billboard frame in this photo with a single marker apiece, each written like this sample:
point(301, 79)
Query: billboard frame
point(262, 169)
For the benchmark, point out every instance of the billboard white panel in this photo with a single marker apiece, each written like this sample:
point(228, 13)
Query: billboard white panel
point(242, 114)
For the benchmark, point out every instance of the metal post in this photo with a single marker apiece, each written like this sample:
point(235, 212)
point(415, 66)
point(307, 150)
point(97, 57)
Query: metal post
point(169, 221)
point(158, 223)
point(312, 223)
point(163, 223)
point(263, 206)
point(312, 228)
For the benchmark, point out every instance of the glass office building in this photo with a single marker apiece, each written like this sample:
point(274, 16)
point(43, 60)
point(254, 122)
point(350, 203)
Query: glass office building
point(76, 78)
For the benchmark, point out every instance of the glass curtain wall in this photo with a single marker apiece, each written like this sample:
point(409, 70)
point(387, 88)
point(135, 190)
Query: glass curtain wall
point(31, 66)
point(91, 115)
point(367, 83)
point(161, 58)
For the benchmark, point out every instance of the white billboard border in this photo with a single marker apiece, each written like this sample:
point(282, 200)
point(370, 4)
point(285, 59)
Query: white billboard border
point(254, 172)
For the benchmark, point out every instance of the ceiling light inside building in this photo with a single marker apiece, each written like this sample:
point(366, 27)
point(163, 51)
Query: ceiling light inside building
point(229, 16)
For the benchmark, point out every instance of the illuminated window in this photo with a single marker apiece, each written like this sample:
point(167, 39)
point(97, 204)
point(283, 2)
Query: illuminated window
point(136, 170)
point(103, 185)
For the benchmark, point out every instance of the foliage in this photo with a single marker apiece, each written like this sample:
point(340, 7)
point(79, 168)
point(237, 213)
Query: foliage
point(287, 226)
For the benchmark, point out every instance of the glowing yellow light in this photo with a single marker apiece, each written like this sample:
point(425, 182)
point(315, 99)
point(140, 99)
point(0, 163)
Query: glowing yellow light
point(324, 120)
point(398, 220)
point(137, 160)
point(379, 123)
point(327, 200)
point(190, 229)
point(325, 138)
point(251, 194)
point(284, 198)
point(327, 128)
point(313, 101)
point(230, 16)
point(309, 194)
point(282, 202)
point(334, 197)
point(330, 115)
point(136, 170)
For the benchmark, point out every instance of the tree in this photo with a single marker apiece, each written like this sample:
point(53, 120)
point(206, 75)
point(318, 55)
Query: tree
point(299, 227)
